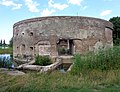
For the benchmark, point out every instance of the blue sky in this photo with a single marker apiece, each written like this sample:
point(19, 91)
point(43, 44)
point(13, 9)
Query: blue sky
point(12, 11)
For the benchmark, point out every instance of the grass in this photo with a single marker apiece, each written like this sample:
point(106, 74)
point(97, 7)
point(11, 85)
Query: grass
point(6, 51)
point(90, 73)
point(94, 81)
point(104, 60)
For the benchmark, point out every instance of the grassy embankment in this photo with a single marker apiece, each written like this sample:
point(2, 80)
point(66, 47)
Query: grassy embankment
point(90, 73)
point(94, 81)
point(6, 51)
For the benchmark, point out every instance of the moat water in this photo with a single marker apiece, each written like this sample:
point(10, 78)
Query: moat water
point(5, 55)
point(6, 59)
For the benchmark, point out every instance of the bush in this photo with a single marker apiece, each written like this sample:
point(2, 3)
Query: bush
point(103, 60)
point(77, 64)
point(42, 60)
point(63, 51)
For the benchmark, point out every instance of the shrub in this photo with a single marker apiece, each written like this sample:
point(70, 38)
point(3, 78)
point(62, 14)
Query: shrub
point(62, 50)
point(108, 59)
point(42, 60)
point(77, 64)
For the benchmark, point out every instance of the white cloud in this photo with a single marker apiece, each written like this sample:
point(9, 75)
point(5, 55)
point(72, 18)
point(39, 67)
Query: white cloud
point(17, 7)
point(47, 12)
point(32, 5)
point(75, 2)
point(57, 5)
point(10, 3)
point(105, 12)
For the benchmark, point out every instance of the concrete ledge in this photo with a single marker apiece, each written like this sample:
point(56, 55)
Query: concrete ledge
point(41, 69)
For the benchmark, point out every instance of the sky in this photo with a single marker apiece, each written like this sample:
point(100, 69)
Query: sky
point(12, 11)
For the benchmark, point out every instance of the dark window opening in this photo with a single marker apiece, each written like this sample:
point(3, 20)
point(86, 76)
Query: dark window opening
point(31, 33)
point(17, 48)
point(31, 48)
point(23, 33)
point(65, 47)
point(23, 46)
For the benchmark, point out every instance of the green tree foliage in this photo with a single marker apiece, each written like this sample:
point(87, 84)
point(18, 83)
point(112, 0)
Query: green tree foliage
point(116, 30)
point(1, 44)
point(4, 44)
point(11, 42)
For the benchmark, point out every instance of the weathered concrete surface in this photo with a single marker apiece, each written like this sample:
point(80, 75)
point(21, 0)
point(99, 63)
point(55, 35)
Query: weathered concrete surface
point(40, 69)
point(28, 63)
point(11, 72)
point(42, 35)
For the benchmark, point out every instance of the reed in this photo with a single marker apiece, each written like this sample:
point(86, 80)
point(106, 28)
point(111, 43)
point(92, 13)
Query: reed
point(103, 60)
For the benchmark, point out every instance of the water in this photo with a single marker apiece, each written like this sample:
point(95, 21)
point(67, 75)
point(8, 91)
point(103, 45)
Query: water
point(5, 55)
point(6, 61)
point(62, 70)
point(64, 67)
point(4, 47)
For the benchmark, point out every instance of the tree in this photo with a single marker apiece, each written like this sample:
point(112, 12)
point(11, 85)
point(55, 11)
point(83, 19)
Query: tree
point(4, 44)
point(116, 30)
point(11, 42)
point(1, 44)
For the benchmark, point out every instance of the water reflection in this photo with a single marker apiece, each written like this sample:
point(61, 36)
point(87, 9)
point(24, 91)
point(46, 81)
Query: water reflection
point(6, 61)
point(5, 55)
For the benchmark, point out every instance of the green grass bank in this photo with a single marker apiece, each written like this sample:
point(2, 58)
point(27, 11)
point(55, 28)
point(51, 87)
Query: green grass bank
point(6, 51)
point(94, 81)
point(91, 72)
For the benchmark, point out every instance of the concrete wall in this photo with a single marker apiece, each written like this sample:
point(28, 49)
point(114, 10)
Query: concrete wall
point(89, 34)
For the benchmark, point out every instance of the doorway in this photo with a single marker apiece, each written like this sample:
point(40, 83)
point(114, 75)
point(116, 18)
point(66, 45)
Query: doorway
point(65, 47)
